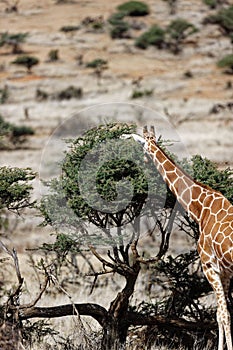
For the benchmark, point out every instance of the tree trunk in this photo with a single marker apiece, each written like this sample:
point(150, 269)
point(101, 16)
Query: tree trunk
point(114, 334)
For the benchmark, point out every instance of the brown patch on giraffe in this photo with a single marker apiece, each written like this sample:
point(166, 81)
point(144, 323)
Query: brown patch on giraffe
point(159, 155)
point(186, 196)
point(219, 237)
point(225, 227)
point(210, 222)
point(202, 197)
point(222, 213)
point(226, 244)
point(196, 191)
point(196, 208)
point(179, 186)
point(188, 182)
point(171, 176)
point(217, 205)
point(205, 217)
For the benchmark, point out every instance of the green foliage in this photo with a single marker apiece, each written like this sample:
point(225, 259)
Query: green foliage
point(13, 133)
point(154, 36)
point(141, 93)
point(115, 18)
point(177, 31)
point(83, 162)
point(211, 3)
point(119, 30)
point(4, 94)
point(207, 173)
point(134, 8)
point(226, 62)
point(53, 55)
point(96, 63)
point(68, 93)
point(69, 28)
point(27, 61)
point(15, 188)
point(180, 29)
point(172, 37)
point(224, 18)
point(13, 40)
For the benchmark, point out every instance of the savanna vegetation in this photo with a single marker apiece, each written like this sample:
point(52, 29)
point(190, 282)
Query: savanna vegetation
point(99, 207)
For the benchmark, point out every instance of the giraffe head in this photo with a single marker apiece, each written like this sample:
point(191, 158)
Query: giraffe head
point(149, 136)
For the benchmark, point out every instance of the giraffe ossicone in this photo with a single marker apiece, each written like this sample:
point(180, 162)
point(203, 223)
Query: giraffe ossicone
point(214, 215)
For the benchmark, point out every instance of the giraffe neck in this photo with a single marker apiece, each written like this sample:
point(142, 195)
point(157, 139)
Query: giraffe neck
point(189, 193)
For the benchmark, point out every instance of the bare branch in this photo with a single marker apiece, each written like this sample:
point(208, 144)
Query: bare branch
point(96, 311)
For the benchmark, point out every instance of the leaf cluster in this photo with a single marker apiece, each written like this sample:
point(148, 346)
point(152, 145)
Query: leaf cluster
point(27, 61)
point(224, 18)
point(12, 39)
point(14, 133)
point(208, 173)
point(171, 37)
point(111, 173)
point(134, 8)
point(15, 188)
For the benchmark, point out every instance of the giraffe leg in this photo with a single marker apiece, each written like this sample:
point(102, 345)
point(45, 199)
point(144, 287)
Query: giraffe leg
point(223, 316)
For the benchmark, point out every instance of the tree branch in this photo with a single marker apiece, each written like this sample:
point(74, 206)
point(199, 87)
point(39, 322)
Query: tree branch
point(137, 319)
point(96, 311)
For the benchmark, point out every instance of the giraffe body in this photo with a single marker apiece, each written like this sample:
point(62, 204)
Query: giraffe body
point(214, 215)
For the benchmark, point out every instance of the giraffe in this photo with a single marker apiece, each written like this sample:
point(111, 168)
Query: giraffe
point(214, 215)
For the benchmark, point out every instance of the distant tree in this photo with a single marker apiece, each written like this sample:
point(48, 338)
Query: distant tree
point(120, 30)
point(226, 62)
point(69, 28)
point(4, 94)
point(13, 40)
point(134, 8)
point(177, 31)
point(99, 65)
point(154, 36)
point(12, 135)
point(211, 3)
point(172, 37)
point(224, 18)
point(27, 61)
point(53, 55)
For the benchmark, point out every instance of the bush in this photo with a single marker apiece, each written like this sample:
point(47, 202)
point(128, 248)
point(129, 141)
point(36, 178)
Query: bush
point(140, 93)
point(53, 55)
point(70, 92)
point(96, 63)
point(180, 29)
point(115, 18)
point(12, 134)
point(211, 3)
point(154, 36)
point(134, 8)
point(27, 61)
point(177, 31)
point(120, 30)
point(226, 62)
point(4, 94)
point(224, 18)
point(67, 29)
point(13, 40)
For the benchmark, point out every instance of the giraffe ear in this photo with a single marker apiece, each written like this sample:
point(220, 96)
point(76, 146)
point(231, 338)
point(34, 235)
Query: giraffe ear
point(152, 130)
point(145, 130)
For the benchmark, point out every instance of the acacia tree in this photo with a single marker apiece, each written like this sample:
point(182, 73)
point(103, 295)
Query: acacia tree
point(98, 205)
